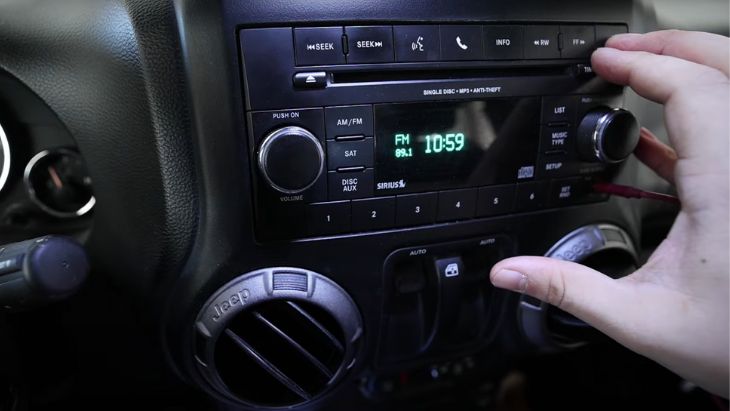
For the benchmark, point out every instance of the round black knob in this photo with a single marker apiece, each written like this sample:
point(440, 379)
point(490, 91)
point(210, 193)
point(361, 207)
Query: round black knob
point(291, 159)
point(607, 135)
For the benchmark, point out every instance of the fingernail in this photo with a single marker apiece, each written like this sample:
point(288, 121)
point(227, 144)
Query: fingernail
point(648, 134)
point(510, 280)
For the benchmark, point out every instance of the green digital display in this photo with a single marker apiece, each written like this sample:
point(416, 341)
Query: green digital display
point(429, 144)
point(422, 147)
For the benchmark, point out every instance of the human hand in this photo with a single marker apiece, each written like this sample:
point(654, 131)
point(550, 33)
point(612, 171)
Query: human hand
point(675, 308)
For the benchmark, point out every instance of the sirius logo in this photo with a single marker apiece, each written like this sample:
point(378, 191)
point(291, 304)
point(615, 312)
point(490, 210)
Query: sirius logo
point(391, 185)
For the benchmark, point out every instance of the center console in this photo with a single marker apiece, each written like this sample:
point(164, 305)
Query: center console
point(377, 163)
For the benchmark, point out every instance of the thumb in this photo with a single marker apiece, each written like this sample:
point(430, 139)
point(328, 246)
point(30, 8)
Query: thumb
point(584, 292)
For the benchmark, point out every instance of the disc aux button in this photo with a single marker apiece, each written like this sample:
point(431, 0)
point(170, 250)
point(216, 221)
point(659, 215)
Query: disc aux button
point(351, 184)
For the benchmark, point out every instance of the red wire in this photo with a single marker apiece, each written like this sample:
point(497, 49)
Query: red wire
point(632, 192)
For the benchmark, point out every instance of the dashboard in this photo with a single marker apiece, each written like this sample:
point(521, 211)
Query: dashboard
point(296, 204)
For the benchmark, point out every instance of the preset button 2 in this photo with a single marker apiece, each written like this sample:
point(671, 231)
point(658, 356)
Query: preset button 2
point(373, 213)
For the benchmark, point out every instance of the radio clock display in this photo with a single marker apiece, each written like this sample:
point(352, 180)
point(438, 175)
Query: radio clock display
point(429, 146)
point(434, 144)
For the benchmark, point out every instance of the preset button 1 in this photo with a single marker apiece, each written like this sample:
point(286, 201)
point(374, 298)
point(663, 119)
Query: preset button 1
point(328, 218)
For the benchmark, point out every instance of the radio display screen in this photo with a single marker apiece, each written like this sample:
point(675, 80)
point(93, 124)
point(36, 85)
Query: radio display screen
point(440, 145)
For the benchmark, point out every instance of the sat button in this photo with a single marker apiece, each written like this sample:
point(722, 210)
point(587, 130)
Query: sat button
point(341, 154)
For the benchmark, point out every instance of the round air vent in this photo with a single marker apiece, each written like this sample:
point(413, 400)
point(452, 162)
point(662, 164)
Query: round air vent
point(603, 247)
point(277, 337)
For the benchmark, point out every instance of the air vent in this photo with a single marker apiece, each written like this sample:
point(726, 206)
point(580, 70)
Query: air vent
point(277, 338)
point(290, 352)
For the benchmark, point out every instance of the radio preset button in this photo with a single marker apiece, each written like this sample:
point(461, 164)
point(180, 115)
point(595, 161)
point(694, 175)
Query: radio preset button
point(318, 45)
point(416, 43)
point(503, 42)
point(416, 209)
point(349, 185)
point(531, 196)
point(558, 109)
point(461, 42)
point(373, 214)
point(457, 204)
point(495, 200)
point(328, 218)
point(369, 44)
point(342, 154)
point(349, 121)
point(541, 42)
point(577, 42)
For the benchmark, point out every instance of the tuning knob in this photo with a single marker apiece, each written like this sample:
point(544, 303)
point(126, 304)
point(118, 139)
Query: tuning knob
point(607, 135)
point(291, 159)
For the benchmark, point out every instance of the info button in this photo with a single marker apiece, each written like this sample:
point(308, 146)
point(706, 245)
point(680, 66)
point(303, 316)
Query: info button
point(503, 42)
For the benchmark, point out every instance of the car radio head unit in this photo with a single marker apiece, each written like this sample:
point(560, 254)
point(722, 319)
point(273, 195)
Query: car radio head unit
point(356, 129)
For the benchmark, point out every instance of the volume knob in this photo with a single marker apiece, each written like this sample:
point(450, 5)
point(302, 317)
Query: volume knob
point(607, 135)
point(291, 159)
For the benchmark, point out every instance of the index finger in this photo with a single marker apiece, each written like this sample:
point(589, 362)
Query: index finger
point(654, 76)
point(707, 49)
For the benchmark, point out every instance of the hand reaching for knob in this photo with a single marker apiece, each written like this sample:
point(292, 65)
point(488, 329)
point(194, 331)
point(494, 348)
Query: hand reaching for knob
point(675, 308)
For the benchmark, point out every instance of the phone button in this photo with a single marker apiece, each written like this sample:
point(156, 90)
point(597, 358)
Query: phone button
point(461, 42)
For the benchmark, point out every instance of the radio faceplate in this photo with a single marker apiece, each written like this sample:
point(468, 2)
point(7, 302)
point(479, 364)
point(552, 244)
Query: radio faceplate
point(390, 145)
